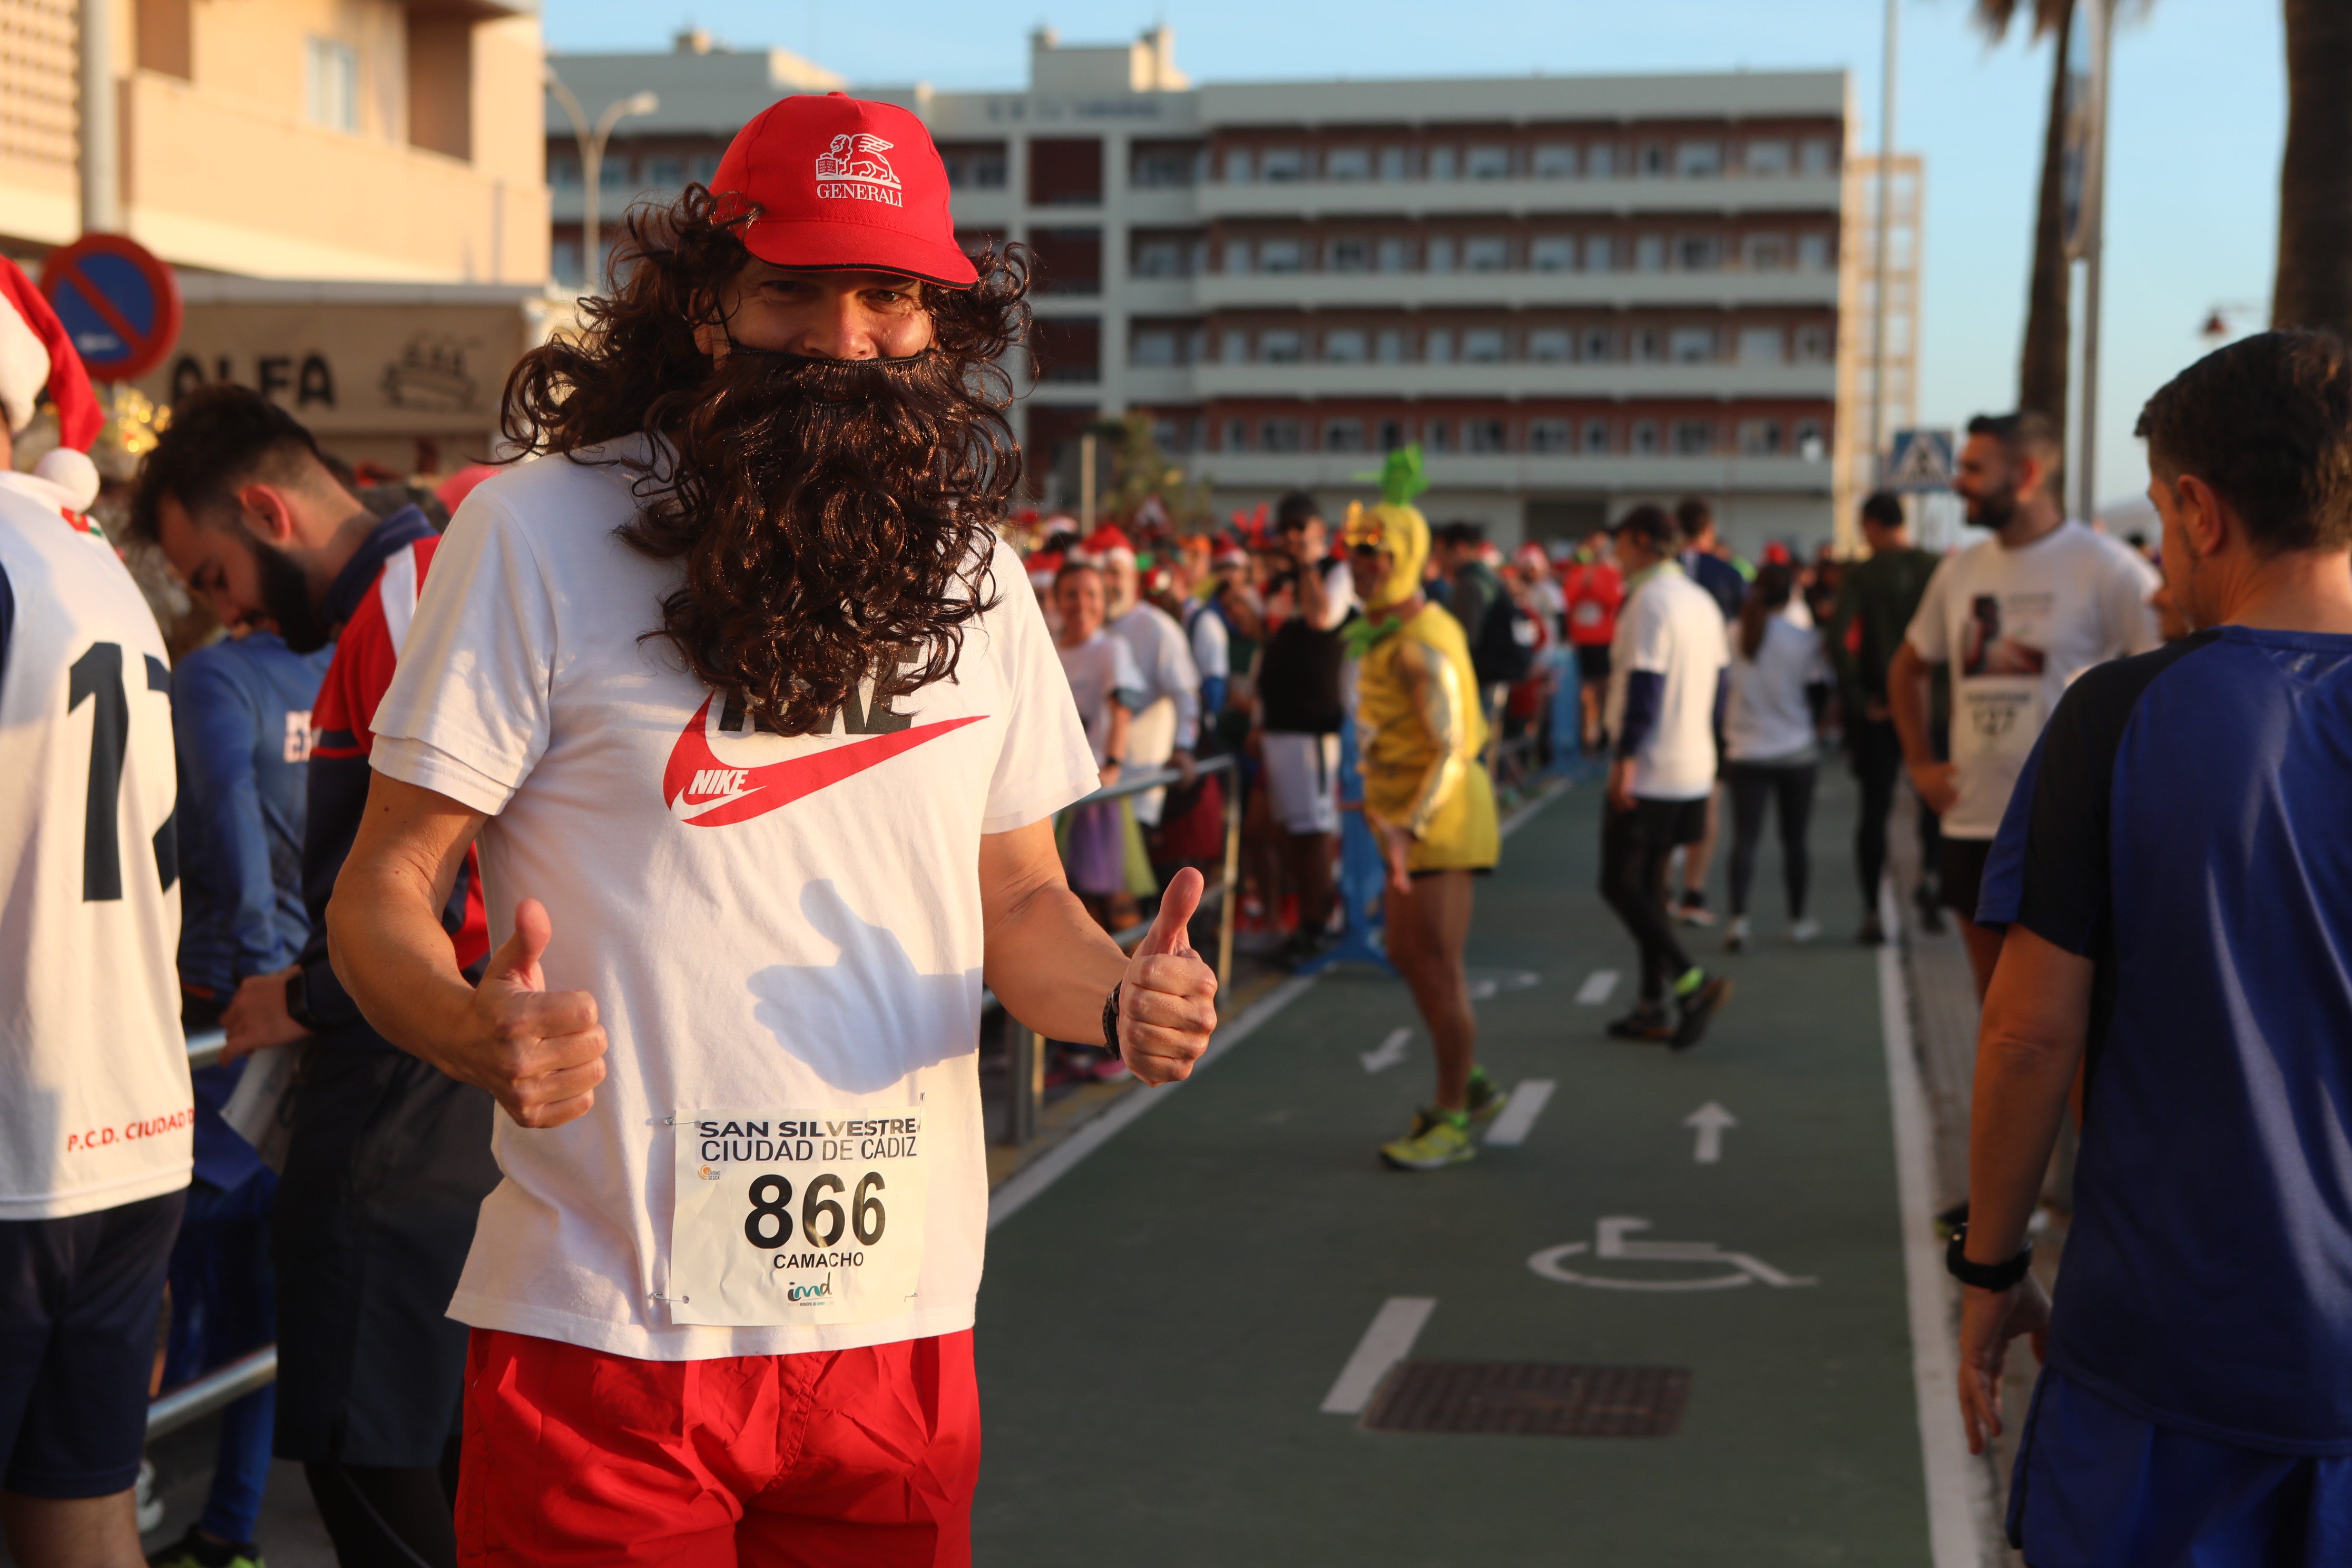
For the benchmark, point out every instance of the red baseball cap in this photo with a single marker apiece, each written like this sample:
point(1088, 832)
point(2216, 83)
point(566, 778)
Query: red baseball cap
point(837, 182)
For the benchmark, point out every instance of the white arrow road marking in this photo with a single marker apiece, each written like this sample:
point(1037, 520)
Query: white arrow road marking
point(1710, 1120)
point(1387, 1341)
point(1596, 987)
point(1519, 1113)
point(1390, 1051)
point(1609, 1242)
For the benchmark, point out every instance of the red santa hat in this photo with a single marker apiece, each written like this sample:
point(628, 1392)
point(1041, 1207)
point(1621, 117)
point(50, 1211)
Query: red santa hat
point(36, 356)
point(1106, 544)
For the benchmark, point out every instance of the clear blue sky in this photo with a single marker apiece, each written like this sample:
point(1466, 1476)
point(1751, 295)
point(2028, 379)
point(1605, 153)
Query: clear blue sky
point(2199, 113)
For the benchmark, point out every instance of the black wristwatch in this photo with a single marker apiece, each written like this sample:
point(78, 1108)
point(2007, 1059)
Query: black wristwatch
point(1983, 1276)
point(1110, 1022)
point(297, 1002)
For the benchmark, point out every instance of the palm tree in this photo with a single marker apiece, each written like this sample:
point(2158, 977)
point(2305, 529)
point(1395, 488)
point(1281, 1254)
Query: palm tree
point(2313, 288)
point(2042, 366)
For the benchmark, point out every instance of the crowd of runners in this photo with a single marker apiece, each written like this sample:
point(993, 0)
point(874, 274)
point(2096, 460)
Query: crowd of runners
point(599, 891)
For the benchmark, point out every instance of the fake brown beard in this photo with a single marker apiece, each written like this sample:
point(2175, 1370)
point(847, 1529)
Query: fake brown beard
point(835, 518)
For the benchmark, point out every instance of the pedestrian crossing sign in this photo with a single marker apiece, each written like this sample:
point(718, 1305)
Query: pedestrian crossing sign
point(1919, 460)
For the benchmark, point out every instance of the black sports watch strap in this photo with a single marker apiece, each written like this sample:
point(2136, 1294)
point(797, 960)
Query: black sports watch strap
point(1983, 1276)
point(297, 1002)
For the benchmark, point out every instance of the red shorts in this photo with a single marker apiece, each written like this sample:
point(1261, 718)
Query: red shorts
point(863, 1459)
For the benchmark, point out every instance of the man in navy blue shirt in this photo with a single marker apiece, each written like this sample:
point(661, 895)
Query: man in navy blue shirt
point(2174, 873)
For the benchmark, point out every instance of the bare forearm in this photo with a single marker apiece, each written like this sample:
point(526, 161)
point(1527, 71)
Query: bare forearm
point(2018, 1101)
point(1051, 966)
point(384, 938)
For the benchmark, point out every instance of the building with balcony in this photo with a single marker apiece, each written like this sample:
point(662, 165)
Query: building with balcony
point(1575, 292)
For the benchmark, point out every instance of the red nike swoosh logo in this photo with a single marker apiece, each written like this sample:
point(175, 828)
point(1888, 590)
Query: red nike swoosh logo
point(703, 792)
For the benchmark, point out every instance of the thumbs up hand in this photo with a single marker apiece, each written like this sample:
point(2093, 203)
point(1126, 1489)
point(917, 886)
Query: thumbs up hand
point(540, 1052)
point(1167, 1003)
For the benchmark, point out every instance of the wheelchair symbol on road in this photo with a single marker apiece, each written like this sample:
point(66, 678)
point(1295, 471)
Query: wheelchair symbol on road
point(1609, 1244)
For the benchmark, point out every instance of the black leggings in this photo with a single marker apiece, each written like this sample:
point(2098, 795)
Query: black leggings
point(1634, 848)
point(1877, 767)
point(382, 1516)
point(1755, 786)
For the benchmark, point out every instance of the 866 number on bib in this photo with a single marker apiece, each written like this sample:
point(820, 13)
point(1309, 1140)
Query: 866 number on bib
point(769, 1225)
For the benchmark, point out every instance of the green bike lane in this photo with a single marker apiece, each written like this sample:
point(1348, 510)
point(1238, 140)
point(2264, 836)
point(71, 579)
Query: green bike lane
point(1160, 1328)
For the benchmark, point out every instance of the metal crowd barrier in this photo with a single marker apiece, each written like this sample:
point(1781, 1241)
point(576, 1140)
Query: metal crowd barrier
point(1026, 1050)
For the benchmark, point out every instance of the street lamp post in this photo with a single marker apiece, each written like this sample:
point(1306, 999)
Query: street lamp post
point(591, 163)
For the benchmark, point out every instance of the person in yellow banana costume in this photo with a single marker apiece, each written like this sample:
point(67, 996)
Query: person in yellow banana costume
point(1427, 799)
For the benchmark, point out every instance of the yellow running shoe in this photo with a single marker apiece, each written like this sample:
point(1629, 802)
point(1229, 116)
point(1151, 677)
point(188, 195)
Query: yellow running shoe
point(1440, 1138)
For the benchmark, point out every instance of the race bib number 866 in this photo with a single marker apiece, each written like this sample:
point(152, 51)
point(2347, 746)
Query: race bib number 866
point(798, 1217)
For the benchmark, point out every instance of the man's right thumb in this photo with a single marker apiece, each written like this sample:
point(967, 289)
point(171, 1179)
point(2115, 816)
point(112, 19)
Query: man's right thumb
point(518, 961)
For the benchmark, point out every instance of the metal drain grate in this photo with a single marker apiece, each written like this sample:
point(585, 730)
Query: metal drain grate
point(1530, 1399)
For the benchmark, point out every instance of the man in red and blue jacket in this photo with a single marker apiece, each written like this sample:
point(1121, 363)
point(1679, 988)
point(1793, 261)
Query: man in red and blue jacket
point(389, 1159)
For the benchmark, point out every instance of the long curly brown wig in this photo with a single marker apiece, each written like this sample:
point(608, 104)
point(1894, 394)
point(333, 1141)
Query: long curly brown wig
point(835, 517)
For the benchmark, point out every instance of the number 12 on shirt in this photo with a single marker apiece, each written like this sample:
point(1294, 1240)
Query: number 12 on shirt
point(797, 1216)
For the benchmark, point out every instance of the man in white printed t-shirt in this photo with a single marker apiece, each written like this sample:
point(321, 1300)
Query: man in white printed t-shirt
point(2016, 618)
point(1665, 707)
point(762, 732)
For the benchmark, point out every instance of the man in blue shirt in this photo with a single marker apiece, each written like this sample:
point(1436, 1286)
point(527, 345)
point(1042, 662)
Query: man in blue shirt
point(2174, 873)
point(241, 721)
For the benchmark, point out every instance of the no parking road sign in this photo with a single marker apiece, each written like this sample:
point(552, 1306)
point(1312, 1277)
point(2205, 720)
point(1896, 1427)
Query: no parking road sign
point(118, 300)
point(1920, 461)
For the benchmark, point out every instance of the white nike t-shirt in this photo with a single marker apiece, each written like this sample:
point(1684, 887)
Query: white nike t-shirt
point(1672, 627)
point(778, 930)
point(2017, 626)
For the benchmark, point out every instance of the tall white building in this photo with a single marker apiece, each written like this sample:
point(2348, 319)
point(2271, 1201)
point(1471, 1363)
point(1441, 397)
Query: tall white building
point(1575, 292)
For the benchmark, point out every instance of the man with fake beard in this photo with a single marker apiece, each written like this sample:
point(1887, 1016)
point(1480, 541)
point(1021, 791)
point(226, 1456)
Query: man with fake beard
point(389, 1156)
point(760, 733)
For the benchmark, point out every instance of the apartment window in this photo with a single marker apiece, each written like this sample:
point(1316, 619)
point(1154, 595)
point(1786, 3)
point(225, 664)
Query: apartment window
point(1596, 436)
point(1161, 165)
point(1392, 434)
point(1235, 348)
point(1599, 344)
point(1154, 347)
point(665, 174)
point(1393, 255)
point(1441, 254)
point(1236, 436)
point(1442, 161)
point(1555, 161)
point(1388, 346)
point(1438, 436)
point(1486, 436)
point(1487, 253)
point(1645, 438)
point(1176, 435)
point(1066, 347)
point(1649, 254)
point(331, 84)
point(615, 173)
point(1693, 437)
point(1603, 253)
point(1809, 444)
point(1767, 252)
point(1168, 256)
point(974, 165)
point(1692, 345)
point(1281, 256)
point(1285, 164)
point(1348, 164)
point(1649, 345)
point(1818, 156)
point(1238, 165)
point(1237, 256)
point(1282, 345)
point(1698, 253)
point(1547, 435)
point(1654, 160)
point(1437, 345)
point(1762, 346)
point(1601, 160)
point(1551, 345)
point(1813, 252)
point(1279, 434)
point(1760, 437)
point(1813, 346)
point(563, 172)
point(563, 260)
point(1490, 162)
point(1066, 172)
point(703, 167)
point(1349, 256)
point(1346, 345)
point(1343, 436)
point(1700, 159)
point(1768, 157)
point(1483, 345)
point(1393, 163)
point(1552, 253)
point(1069, 261)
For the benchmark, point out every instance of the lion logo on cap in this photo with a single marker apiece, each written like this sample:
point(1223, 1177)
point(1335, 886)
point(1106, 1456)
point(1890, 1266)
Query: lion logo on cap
point(852, 169)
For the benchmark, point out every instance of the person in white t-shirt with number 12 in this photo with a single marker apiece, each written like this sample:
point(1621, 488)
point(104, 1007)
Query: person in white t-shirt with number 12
point(761, 734)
